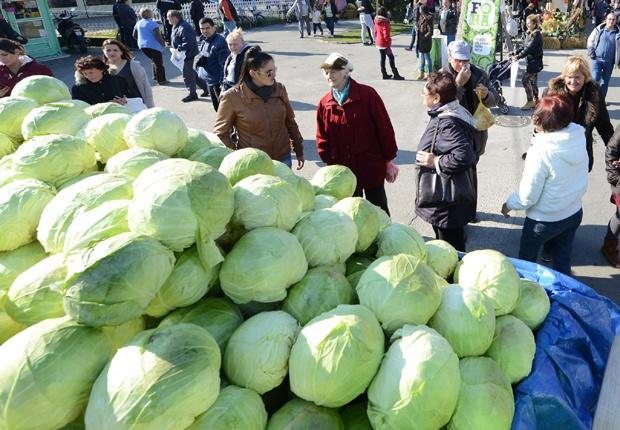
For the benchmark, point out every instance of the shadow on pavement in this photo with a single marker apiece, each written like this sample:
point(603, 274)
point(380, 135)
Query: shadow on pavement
point(302, 106)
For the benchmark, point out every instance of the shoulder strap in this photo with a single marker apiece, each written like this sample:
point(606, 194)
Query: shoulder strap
point(435, 137)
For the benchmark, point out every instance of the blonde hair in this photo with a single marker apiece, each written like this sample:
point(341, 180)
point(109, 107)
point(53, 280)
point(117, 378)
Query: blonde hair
point(533, 18)
point(236, 34)
point(145, 13)
point(576, 64)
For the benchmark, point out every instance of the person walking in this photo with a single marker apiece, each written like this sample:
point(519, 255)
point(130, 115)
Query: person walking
point(413, 16)
point(126, 19)
point(259, 109)
point(425, 40)
point(229, 15)
point(612, 165)
point(213, 53)
point(384, 43)
point(234, 62)
point(366, 12)
point(354, 129)
point(163, 6)
point(447, 147)
point(604, 50)
point(184, 40)
point(301, 9)
point(15, 65)
point(316, 20)
point(554, 180)
point(121, 62)
point(329, 13)
point(196, 12)
point(589, 108)
point(147, 33)
point(448, 20)
point(93, 83)
point(533, 52)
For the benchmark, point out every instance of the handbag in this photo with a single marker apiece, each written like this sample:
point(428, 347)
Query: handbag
point(437, 190)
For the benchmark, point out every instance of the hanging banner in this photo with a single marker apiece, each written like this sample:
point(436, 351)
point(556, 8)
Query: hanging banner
point(479, 25)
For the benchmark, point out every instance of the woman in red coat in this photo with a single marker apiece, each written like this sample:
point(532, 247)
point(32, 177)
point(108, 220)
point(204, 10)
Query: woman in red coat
point(15, 66)
point(383, 40)
point(354, 130)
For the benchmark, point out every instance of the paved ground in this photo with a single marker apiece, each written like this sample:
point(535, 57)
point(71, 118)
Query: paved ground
point(499, 170)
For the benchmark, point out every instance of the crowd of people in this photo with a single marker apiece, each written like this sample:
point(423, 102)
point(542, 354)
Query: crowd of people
point(353, 127)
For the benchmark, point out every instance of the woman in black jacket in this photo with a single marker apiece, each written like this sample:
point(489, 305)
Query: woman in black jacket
point(612, 165)
point(93, 83)
point(533, 51)
point(452, 129)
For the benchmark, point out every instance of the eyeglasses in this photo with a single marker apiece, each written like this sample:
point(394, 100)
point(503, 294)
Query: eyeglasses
point(269, 73)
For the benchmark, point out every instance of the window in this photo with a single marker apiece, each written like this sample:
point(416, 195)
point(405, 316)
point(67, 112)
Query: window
point(62, 3)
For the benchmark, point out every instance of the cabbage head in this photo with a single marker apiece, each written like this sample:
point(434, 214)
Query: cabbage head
point(336, 356)
point(7, 146)
point(162, 379)
point(213, 155)
point(441, 257)
point(188, 283)
point(533, 305)
point(131, 162)
point(320, 290)
point(41, 89)
point(105, 134)
point(327, 236)
point(54, 159)
point(54, 118)
point(235, 409)
point(491, 273)
point(219, 316)
point(72, 103)
point(363, 213)
point(13, 110)
point(37, 293)
point(485, 401)
point(399, 289)
point(158, 129)
point(401, 239)
point(12, 263)
point(94, 225)
point(101, 109)
point(181, 202)
point(246, 162)
point(466, 319)
point(257, 353)
point(355, 268)
point(337, 181)
point(324, 201)
point(8, 327)
point(262, 265)
point(115, 280)
point(298, 414)
point(282, 170)
point(513, 348)
point(304, 190)
point(265, 201)
point(354, 416)
point(384, 218)
point(65, 358)
point(198, 140)
point(417, 386)
point(21, 204)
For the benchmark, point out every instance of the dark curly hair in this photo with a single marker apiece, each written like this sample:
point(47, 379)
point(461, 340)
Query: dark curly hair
point(90, 62)
point(442, 83)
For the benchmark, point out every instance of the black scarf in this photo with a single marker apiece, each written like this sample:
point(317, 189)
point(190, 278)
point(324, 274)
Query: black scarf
point(263, 92)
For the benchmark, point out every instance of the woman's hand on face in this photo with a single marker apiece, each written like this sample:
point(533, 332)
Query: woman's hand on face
point(426, 159)
point(120, 100)
point(505, 210)
point(616, 164)
point(300, 162)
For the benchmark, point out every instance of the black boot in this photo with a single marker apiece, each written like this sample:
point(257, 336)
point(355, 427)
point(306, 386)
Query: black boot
point(385, 75)
point(397, 76)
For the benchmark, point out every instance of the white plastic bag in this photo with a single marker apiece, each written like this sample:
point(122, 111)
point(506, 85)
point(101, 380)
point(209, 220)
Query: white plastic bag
point(177, 58)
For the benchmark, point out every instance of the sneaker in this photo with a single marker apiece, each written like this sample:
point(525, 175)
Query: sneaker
point(420, 76)
point(190, 98)
point(529, 105)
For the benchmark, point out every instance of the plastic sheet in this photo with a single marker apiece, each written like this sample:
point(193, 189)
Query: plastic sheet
point(572, 347)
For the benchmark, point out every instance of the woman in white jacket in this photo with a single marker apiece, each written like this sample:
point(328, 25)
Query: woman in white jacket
point(555, 178)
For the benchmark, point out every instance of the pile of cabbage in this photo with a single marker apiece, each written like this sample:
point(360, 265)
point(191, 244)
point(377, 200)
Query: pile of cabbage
point(150, 278)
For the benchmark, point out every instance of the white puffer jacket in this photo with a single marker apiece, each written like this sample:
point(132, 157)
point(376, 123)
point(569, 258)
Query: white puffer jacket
point(555, 176)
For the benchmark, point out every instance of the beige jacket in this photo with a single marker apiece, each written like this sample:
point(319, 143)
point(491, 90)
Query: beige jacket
point(142, 81)
point(269, 126)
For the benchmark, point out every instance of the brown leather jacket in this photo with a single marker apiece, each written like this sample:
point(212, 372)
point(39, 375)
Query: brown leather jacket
point(268, 126)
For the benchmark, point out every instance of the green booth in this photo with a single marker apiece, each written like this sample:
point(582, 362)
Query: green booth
point(33, 20)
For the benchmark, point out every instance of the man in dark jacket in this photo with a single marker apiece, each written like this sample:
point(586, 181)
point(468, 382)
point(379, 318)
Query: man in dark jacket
point(213, 54)
point(7, 32)
point(197, 12)
point(126, 19)
point(448, 20)
point(183, 38)
point(163, 6)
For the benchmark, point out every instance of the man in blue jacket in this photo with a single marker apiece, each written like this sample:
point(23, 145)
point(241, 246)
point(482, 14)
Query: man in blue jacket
point(213, 53)
point(184, 39)
point(604, 50)
point(126, 19)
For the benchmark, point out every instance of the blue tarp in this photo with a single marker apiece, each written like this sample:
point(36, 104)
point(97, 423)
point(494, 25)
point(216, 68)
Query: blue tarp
point(572, 347)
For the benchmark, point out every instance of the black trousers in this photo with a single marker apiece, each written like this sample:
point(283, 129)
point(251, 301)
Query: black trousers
point(127, 37)
point(454, 236)
point(387, 52)
point(167, 28)
point(376, 196)
point(157, 62)
point(213, 90)
point(189, 75)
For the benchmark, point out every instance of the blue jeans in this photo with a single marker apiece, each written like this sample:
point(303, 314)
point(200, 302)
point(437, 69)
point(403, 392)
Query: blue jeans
point(425, 58)
point(557, 236)
point(414, 30)
point(329, 22)
point(601, 71)
point(229, 26)
point(451, 38)
point(288, 160)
